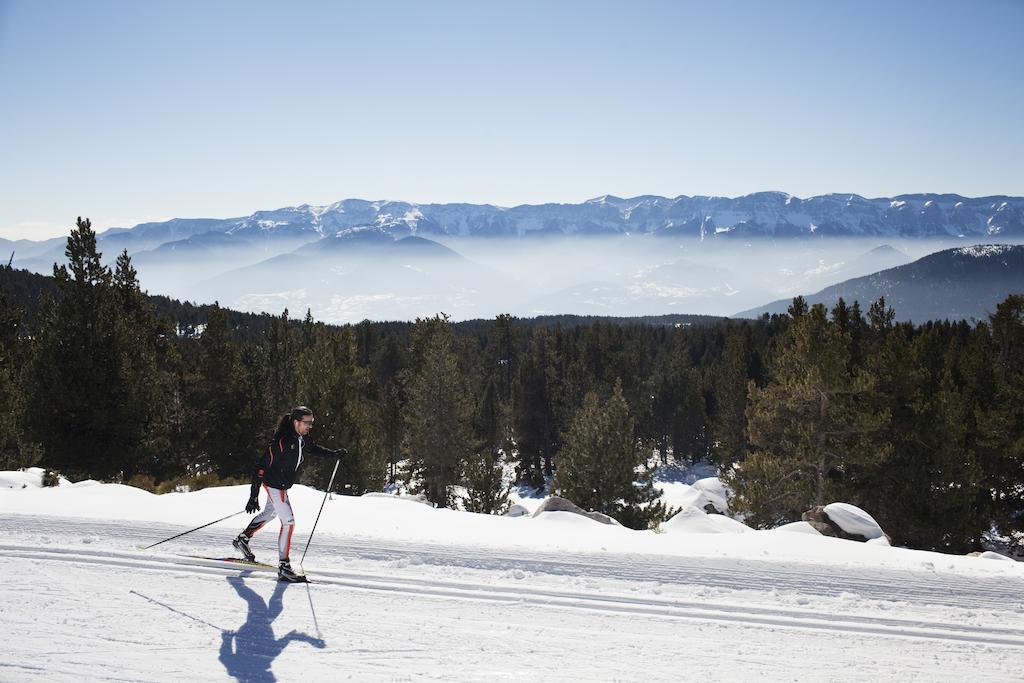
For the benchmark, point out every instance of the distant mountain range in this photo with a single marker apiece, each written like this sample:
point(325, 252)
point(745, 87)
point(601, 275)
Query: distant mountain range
point(956, 284)
point(761, 215)
point(646, 255)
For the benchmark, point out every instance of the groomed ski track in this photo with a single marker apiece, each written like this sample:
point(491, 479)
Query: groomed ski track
point(773, 609)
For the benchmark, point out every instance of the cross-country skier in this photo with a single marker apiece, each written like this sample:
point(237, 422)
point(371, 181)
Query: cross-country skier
point(276, 470)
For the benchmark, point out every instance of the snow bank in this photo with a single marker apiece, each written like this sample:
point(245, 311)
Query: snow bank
point(691, 533)
point(31, 477)
point(798, 528)
point(989, 555)
point(422, 500)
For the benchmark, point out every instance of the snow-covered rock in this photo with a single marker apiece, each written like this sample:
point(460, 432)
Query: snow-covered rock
point(798, 528)
point(516, 510)
point(693, 520)
point(853, 520)
point(557, 504)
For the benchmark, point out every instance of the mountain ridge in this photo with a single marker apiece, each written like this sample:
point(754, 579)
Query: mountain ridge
point(963, 283)
point(770, 214)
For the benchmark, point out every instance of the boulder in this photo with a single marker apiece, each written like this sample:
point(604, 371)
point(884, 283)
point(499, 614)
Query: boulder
point(841, 520)
point(516, 510)
point(556, 504)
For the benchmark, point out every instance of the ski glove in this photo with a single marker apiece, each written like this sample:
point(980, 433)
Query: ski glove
point(253, 505)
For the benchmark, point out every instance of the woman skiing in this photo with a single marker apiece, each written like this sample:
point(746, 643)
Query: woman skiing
point(276, 470)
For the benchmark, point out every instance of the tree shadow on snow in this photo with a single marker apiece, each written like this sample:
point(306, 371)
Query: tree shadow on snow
point(248, 652)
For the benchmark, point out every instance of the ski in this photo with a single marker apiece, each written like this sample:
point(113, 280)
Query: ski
point(242, 562)
point(299, 578)
point(235, 560)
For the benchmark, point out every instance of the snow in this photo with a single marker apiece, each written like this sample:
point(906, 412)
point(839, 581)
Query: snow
point(702, 492)
point(985, 250)
point(989, 555)
point(798, 528)
point(406, 591)
point(30, 477)
point(692, 520)
point(853, 520)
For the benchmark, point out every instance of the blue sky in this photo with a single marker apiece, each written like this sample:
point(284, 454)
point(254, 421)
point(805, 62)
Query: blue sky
point(133, 111)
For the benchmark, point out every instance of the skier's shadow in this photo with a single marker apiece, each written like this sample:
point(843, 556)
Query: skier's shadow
point(248, 652)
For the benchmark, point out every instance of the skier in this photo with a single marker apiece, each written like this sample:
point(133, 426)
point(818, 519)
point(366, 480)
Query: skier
point(276, 470)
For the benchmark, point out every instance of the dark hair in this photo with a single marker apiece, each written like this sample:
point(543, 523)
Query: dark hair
point(285, 423)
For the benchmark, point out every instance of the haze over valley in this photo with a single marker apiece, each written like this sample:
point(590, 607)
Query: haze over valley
point(355, 260)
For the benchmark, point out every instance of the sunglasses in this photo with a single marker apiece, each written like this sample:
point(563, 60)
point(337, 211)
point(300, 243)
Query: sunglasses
point(307, 422)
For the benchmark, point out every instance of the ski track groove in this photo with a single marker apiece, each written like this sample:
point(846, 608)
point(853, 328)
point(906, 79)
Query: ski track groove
point(518, 594)
point(602, 603)
point(923, 586)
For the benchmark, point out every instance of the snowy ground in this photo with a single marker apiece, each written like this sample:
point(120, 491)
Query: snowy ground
point(405, 592)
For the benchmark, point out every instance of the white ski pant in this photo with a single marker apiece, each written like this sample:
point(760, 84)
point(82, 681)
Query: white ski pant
point(277, 506)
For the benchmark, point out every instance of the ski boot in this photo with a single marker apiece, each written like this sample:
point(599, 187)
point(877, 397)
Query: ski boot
point(285, 573)
point(242, 543)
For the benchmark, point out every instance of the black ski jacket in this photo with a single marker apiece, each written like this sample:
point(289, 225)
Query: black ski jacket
point(279, 464)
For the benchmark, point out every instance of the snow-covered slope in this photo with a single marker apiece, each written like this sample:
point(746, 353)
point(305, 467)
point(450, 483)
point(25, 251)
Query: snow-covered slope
point(405, 591)
point(955, 284)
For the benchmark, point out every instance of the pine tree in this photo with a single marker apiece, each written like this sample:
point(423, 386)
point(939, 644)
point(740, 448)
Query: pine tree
point(331, 382)
point(73, 374)
point(1001, 422)
point(923, 494)
point(536, 423)
point(880, 316)
point(677, 410)
point(224, 440)
point(16, 451)
point(798, 308)
point(504, 354)
point(598, 467)
point(438, 414)
point(282, 353)
point(146, 360)
point(387, 365)
point(814, 420)
point(730, 377)
point(486, 490)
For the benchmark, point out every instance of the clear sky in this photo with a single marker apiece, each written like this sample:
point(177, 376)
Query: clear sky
point(145, 110)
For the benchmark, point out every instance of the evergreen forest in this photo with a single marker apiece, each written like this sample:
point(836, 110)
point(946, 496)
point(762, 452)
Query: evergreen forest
point(921, 425)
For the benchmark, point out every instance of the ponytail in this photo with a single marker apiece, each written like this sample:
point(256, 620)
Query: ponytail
point(284, 425)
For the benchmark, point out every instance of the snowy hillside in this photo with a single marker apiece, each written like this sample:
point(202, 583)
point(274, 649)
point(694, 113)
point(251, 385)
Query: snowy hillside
point(404, 591)
point(954, 284)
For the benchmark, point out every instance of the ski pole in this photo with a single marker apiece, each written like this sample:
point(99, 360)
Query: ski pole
point(196, 529)
point(326, 493)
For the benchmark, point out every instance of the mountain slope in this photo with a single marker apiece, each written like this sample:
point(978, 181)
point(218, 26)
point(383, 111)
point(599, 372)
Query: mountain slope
point(361, 274)
point(957, 284)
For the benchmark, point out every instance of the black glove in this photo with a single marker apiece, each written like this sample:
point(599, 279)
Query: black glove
point(253, 505)
point(341, 452)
